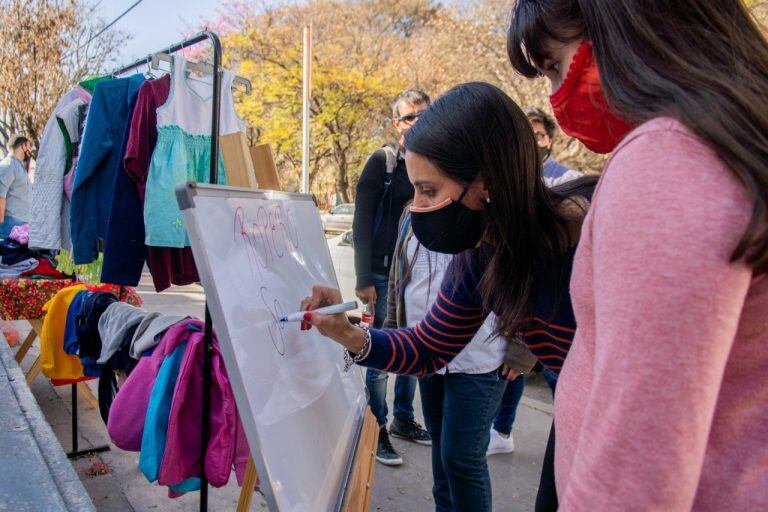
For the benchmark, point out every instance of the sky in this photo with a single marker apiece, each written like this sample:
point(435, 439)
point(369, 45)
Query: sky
point(154, 24)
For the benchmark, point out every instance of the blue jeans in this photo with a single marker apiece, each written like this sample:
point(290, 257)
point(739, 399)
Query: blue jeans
point(508, 409)
point(8, 224)
point(550, 378)
point(458, 410)
point(376, 380)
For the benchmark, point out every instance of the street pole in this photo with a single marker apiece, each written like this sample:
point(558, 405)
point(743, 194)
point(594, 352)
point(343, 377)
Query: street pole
point(307, 96)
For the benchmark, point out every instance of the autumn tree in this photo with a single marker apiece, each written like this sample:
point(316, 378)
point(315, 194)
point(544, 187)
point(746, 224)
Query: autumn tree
point(365, 51)
point(45, 50)
point(352, 84)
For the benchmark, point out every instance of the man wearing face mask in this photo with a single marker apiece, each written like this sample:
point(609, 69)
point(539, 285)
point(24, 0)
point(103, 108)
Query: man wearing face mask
point(15, 190)
point(382, 193)
point(544, 128)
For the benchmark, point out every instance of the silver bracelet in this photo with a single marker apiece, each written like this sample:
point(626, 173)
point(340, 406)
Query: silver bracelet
point(350, 359)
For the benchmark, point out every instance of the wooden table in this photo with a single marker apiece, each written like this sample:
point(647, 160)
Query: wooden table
point(23, 299)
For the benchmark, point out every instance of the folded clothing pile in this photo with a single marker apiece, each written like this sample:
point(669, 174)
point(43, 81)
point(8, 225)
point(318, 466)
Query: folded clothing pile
point(18, 260)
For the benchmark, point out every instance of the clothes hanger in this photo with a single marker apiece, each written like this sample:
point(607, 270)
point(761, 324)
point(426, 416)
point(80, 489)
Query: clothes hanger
point(200, 67)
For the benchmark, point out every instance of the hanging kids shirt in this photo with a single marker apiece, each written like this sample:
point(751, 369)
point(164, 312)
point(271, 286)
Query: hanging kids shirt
point(183, 150)
point(46, 230)
point(49, 224)
point(168, 265)
point(124, 250)
point(101, 154)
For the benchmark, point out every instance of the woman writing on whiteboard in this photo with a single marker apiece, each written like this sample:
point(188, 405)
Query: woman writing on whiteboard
point(479, 193)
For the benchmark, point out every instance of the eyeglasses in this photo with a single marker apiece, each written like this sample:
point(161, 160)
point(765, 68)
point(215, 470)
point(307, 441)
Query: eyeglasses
point(409, 118)
point(540, 135)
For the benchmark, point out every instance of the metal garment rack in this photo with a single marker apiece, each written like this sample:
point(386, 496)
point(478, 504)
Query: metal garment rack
point(214, 178)
point(76, 452)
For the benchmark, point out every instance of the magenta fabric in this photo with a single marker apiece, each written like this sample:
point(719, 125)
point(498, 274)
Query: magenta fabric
point(129, 409)
point(182, 453)
point(181, 459)
point(167, 265)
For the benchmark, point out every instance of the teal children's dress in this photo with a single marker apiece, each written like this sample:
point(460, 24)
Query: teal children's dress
point(183, 150)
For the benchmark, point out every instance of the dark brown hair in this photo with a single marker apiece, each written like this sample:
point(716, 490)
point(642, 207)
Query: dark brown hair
point(475, 129)
point(536, 115)
point(702, 62)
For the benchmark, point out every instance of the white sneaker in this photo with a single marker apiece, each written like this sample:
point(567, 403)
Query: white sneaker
point(500, 444)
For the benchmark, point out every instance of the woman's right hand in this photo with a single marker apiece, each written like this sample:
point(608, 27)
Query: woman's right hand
point(336, 327)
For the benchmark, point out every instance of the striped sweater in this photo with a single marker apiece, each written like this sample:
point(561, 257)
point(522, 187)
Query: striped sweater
point(457, 314)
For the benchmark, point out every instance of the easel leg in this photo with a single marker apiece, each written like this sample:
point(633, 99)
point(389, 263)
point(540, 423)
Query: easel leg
point(358, 495)
point(249, 483)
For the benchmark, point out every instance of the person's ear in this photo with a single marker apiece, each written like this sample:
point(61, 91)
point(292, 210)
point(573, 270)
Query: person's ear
point(480, 195)
point(485, 194)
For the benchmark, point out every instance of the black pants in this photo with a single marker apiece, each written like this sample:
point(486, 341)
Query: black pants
point(546, 499)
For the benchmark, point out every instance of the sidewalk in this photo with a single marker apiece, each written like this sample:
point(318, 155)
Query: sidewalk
point(114, 482)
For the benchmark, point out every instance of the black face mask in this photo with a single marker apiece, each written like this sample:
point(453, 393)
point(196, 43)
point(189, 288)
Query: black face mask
point(450, 229)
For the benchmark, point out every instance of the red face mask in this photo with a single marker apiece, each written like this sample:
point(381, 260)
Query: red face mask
point(581, 108)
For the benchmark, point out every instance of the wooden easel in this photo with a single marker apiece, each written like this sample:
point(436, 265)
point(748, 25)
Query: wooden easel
point(360, 484)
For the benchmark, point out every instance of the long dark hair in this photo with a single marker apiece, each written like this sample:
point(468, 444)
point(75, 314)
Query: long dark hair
point(702, 62)
point(475, 129)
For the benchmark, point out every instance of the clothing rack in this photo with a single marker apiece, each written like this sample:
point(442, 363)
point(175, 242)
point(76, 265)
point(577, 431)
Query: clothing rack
point(205, 35)
point(76, 452)
point(153, 61)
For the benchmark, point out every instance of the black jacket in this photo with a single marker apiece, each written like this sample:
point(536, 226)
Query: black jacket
point(373, 251)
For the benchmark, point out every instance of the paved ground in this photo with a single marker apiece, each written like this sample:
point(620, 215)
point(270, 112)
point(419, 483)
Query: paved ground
point(115, 483)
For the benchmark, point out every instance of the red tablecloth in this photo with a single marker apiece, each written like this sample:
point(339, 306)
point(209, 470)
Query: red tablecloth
point(23, 299)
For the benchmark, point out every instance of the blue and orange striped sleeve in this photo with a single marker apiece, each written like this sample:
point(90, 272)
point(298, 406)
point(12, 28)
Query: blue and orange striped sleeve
point(449, 325)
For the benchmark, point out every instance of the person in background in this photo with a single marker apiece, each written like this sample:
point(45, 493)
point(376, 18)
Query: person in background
point(670, 277)
point(544, 128)
point(501, 439)
point(381, 195)
point(15, 190)
point(554, 174)
point(458, 402)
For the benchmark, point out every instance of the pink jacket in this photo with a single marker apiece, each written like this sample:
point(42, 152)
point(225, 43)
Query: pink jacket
point(181, 458)
point(227, 445)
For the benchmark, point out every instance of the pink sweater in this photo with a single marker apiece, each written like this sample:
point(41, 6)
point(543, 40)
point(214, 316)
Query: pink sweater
point(663, 400)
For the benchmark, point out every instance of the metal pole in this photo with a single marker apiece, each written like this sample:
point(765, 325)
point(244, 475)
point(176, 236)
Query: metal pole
point(306, 98)
point(74, 418)
point(208, 333)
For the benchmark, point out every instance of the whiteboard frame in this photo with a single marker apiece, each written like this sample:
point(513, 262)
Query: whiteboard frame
point(185, 196)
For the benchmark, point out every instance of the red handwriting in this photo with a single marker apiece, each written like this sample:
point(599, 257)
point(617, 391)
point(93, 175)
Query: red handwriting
point(272, 233)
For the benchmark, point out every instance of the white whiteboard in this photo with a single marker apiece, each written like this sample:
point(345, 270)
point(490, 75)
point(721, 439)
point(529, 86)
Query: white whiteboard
point(258, 254)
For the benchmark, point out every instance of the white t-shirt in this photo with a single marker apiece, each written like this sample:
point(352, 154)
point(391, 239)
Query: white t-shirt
point(485, 352)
